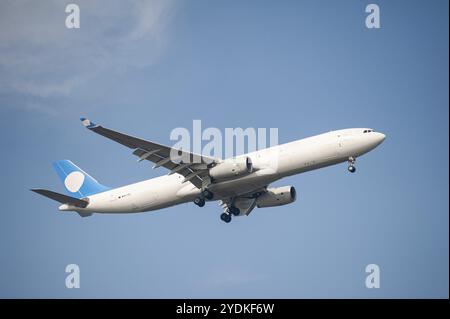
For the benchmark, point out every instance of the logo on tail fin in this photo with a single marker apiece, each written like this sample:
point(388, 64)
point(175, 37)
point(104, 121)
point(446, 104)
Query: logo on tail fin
point(74, 181)
point(77, 182)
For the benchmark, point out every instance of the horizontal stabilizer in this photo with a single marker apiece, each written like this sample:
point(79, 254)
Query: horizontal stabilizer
point(63, 199)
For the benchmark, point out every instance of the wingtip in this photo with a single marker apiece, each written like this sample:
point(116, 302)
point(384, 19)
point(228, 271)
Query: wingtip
point(87, 123)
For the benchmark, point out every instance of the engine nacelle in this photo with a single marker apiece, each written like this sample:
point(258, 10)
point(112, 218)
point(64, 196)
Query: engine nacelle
point(277, 197)
point(232, 168)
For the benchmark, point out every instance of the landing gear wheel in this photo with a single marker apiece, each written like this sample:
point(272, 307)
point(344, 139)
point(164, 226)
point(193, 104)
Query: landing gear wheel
point(351, 164)
point(207, 194)
point(234, 210)
point(225, 217)
point(200, 202)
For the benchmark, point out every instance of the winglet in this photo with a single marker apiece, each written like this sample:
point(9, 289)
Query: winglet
point(87, 123)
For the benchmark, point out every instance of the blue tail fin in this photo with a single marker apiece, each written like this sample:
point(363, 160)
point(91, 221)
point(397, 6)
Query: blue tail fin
point(77, 182)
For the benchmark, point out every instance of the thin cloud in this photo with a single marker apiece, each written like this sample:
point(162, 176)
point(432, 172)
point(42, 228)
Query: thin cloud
point(40, 57)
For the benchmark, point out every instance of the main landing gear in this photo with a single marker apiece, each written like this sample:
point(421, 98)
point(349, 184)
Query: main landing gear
point(232, 210)
point(226, 217)
point(208, 195)
point(351, 164)
point(200, 201)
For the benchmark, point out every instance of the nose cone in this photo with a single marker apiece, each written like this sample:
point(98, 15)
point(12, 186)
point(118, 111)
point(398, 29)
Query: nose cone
point(377, 138)
point(380, 137)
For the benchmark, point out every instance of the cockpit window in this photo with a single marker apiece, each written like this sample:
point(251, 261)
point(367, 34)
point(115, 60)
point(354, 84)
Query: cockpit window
point(367, 131)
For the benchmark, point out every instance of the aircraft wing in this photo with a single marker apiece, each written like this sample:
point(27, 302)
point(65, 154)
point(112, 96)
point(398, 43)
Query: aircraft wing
point(194, 170)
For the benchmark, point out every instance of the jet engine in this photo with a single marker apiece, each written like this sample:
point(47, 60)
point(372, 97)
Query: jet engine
point(232, 168)
point(277, 197)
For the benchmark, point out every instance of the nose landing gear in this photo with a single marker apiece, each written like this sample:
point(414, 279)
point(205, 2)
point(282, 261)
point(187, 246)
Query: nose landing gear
point(351, 164)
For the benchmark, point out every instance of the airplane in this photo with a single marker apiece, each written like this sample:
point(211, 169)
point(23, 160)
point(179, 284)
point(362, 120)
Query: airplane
point(239, 183)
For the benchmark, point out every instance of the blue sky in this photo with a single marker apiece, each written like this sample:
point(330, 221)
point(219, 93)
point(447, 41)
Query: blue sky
point(305, 67)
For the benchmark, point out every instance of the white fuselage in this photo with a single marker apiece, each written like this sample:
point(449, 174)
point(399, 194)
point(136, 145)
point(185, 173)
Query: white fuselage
point(269, 164)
